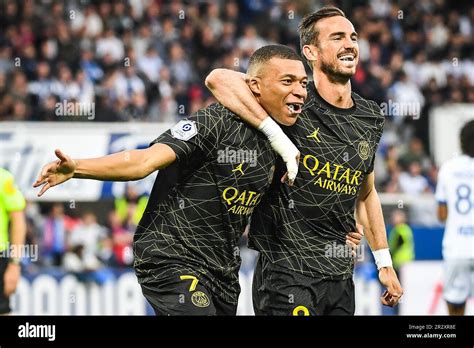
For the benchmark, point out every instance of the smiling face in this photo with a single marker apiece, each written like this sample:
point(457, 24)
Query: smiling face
point(280, 87)
point(336, 51)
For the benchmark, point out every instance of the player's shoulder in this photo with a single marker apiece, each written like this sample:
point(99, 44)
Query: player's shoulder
point(462, 161)
point(214, 109)
point(7, 182)
point(368, 106)
point(217, 113)
point(369, 109)
point(5, 175)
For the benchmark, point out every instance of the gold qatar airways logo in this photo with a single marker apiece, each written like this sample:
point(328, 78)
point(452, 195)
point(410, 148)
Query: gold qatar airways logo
point(200, 299)
point(332, 176)
point(363, 149)
point(241, 202)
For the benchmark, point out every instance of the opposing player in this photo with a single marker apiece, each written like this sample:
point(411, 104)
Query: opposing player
point(300, 231)
point(214, 170)
point(455, 196)
point(12, 205)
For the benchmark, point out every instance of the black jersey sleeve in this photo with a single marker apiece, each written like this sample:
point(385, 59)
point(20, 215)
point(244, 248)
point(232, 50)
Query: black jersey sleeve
point(198, 134)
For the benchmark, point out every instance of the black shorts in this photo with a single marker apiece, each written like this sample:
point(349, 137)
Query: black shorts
point(280, 291)
point(4, 300)
point(176, 293)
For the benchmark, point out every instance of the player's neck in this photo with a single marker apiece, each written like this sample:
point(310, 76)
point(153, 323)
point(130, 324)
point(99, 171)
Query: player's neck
point(337, 94)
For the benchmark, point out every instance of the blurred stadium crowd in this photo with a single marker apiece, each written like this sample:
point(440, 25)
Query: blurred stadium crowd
point(78, 242)
point(145, 60)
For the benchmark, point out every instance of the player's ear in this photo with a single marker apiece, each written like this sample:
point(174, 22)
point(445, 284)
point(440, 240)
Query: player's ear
point(254, 85)
point(309, 53)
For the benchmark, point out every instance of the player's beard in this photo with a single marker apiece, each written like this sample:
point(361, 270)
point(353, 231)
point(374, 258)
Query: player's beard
point(334, 73)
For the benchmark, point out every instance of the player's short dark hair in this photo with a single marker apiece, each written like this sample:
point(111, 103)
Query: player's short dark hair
point(467, 139)
point(265, 53)
point(307, 28)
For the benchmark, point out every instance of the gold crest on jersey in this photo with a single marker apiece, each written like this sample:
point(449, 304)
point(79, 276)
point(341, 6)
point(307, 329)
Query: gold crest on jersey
point(363, 150)
point(200, 299)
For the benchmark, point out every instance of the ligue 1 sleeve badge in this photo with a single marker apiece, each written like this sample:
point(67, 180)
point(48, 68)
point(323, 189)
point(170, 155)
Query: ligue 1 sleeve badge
point(184, 130)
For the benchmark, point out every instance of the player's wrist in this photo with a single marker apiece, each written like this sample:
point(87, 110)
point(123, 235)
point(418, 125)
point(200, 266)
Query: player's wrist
point(14, 261)
point(282, 145)
point(383, 259)
point(386, 269)
point(270, 128)
point(76, 171)
point(278, 139)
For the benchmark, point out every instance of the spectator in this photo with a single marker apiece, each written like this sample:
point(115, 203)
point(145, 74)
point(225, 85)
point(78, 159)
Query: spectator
point(179, 65)
point(122, 241)
point(28, 61)
point(65, 87)
point(89, 234)
point(250, 41)
point(213, 19)
point(169, 32)
point(414, 153)
point(86, 88)
point(407, 97)
point(6, 61)
point(128, 84)
point(413, 183)
point(42, 87)
point(93, 70)
point(401, 242)
point(150, 64)
point(143, 40)
point(92, 25)
point(87, 268)
point(109, 47)
point(56, 228)
point(130, 207)
point(168, 105)
point(68, 50)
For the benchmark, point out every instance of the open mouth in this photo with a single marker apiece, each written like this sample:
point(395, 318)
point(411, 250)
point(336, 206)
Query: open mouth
point(346, 57)
point(295, 108)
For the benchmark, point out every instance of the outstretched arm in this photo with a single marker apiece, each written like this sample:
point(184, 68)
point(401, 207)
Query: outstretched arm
point(369, 214)
point(120, 166)
point(231, 90)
